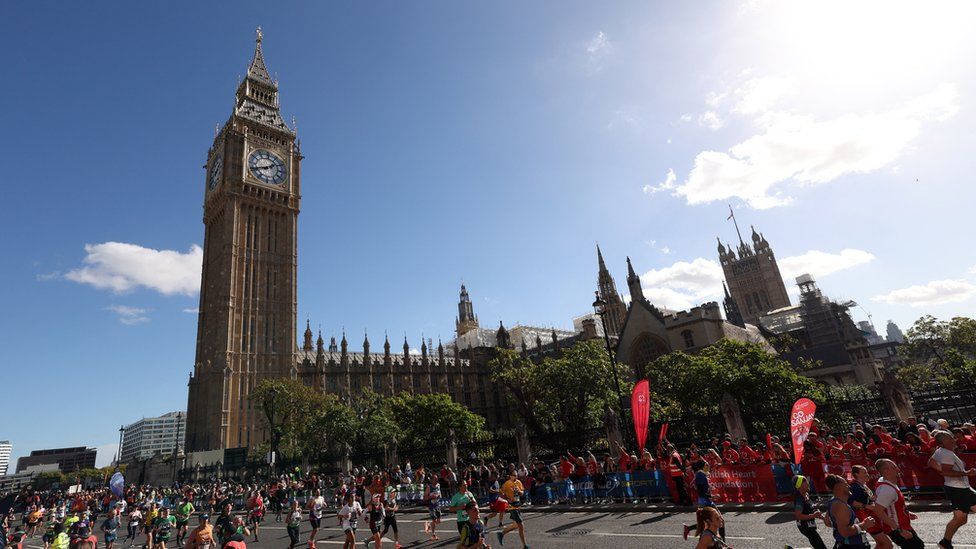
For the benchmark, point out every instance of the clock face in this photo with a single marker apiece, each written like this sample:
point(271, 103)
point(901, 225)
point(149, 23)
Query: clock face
point(213, 175)
point(267, 166)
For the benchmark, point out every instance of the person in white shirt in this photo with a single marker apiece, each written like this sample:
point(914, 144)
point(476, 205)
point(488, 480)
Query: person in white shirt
point(349, 515)
point(315, 507)
point(889, 506)
point(960, 494)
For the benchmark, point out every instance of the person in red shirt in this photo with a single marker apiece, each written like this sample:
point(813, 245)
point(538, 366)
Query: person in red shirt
point(646, 461)
point(624, 464)
point(729, 454)
point(747, 455)
point(712, 458)
point(962, 445)
point(881, 432)
point(565, 467)
point(592, 465)
point(928, 443)
point(853, 448)
point(835, 450)
point(878, 448)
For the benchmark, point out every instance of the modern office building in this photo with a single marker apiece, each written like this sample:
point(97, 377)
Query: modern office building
point(153, 435)
point(5, 449)
point(68, 460)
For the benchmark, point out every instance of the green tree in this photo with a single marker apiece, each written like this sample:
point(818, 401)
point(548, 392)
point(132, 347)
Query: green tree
point(429, 419)
point(289, 408)
point(945, 349)
point(559, 398)
point(690, 386)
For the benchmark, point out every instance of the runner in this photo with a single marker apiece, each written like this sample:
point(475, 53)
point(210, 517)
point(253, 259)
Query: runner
point(315, 507)
point(512, 491)
point(432, 495)
point(255, 506)
point(202, 536)
point(375, 514)
point(709, 522)
point(472, 529)
point(224, 525)
point(389, 521)
point(862, 501)
point(293, 523)
point(890, 507)
point(163, 529)
point(135, 517)
point(152, 513)
point(183, 512)
point(848, 533)
point(496, 503)
point(110, 529)
point(349, 515)
point(806, 514)
point(956, 484)
point(459, 500)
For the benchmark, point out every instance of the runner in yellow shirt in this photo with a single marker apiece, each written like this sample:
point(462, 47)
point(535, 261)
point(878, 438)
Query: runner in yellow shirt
point(512, 491)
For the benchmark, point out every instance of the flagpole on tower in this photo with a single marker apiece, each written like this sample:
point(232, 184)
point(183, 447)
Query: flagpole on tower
point(734, 222)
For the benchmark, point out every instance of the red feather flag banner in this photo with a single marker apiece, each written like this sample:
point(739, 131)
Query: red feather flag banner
point(801, 418)
point(663, 434)
point(640, 406)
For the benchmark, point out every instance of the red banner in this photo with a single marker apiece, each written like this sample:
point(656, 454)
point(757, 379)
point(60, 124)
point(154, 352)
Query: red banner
point(742, 483)
point(663, 435)
point(801, 418)
point(640, 406)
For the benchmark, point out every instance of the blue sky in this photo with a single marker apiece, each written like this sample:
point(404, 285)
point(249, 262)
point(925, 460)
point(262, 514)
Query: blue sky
point(491, 142)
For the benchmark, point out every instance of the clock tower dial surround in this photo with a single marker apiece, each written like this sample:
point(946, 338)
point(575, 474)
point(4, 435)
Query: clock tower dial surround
point(248, 290)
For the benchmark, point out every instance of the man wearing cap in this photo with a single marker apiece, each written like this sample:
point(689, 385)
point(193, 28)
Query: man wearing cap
point(201, 537)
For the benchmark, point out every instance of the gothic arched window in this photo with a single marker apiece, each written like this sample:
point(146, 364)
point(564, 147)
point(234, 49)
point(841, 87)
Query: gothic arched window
point(646, 349)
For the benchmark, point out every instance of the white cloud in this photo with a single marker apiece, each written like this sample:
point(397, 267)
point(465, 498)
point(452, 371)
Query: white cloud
point(821, 264)
point(972, 270)
point(598, 46)
point(667, 184)
point(711, 120)
point(937, 292)
point(129, 315)
point(191, 310)
point(760, 94)
point(597, 50)
point(806, 150)
point(686, 284)
point(686, 118)
point(122, 267)
point(626, 118)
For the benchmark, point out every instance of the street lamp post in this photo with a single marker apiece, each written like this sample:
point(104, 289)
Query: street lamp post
point(176, 443)
point(118, 455)
point(274, 431)
point(599, 307)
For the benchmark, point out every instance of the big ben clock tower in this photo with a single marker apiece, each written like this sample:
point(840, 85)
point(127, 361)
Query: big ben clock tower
point(246, 326)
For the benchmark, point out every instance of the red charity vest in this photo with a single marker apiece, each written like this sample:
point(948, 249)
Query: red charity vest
point(904, 521)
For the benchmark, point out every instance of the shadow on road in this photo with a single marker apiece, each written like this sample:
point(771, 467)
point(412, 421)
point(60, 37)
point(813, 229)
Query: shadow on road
point(780, 518)
point(571, 525)
point(655, 518)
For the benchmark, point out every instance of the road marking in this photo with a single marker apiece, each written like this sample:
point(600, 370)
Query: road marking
point(636, 535)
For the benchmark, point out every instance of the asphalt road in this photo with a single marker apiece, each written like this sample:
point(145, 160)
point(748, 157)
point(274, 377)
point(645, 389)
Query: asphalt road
point(746, 530)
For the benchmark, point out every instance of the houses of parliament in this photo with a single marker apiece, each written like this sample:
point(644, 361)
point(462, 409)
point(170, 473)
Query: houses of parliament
point(247, 325)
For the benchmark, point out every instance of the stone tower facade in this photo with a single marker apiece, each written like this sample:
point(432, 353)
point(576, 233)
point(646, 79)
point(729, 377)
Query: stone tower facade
point(246, 326)
point(753, 277)
point(466, 319)
point(616, 310)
